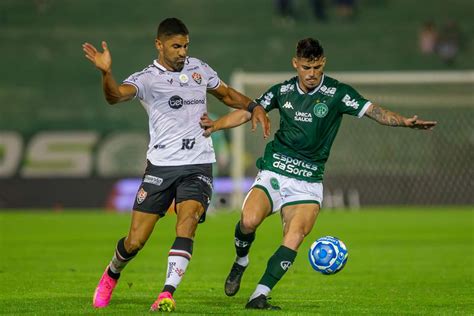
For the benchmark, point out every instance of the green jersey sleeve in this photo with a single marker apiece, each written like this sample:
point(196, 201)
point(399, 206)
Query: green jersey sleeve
point(269, 99)
point(351, 102)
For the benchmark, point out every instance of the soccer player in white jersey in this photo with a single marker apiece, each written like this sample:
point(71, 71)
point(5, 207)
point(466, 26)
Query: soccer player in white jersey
point(311, 106)
point(173, 92)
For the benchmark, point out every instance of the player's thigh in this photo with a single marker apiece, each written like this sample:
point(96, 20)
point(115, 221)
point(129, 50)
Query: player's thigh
point(256, 207)
point(300, 205)
point(295, 191)
point(157, 190)
point(194, 191)
point(300, 217)
point(298, 221)
point(267, 182)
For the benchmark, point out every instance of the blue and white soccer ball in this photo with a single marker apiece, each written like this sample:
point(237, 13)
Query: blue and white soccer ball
point(328, 255)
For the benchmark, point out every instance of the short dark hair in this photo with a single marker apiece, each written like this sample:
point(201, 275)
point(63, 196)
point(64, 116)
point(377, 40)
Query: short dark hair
point(309, 48)
point(171, 26)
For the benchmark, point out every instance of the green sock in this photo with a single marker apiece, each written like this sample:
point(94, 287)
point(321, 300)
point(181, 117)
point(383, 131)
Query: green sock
point(277, 266)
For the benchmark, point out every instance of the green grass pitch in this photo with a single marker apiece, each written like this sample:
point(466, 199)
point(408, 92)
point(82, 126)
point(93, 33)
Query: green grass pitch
point(401, 262)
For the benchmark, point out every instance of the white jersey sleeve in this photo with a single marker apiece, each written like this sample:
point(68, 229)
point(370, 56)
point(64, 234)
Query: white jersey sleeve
point(141, 81)
point(213, 80)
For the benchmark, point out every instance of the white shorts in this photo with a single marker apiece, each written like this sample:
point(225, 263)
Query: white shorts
point(283, 191)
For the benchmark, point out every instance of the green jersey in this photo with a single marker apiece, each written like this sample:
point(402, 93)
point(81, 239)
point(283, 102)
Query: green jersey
point(309, 123)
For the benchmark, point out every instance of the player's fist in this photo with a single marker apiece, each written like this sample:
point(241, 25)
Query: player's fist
point(207, 124)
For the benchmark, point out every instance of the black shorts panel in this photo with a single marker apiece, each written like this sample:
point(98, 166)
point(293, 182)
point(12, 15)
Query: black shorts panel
point(196, 186)
point(163, 184)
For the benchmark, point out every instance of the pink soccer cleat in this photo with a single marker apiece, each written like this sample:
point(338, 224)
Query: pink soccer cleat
point(164, 303)
point(103, 292)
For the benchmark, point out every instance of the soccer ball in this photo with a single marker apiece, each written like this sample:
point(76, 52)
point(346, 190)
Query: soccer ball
point(328, 255)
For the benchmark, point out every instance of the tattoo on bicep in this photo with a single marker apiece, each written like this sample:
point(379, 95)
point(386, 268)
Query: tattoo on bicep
point(385, 117)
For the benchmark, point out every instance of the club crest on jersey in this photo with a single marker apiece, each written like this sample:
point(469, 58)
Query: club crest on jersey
point(321, 110)
point(197, 77)
point(275, 184)
point(141, 196)
point(183, 78)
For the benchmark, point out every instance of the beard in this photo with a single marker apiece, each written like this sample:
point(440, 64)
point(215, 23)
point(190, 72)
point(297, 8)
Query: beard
point(179, 66)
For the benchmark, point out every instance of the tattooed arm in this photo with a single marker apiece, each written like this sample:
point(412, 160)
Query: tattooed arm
point(389, 118)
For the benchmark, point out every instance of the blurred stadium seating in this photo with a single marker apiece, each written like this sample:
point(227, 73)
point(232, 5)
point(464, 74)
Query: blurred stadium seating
point(370, 164)
point(48, 86)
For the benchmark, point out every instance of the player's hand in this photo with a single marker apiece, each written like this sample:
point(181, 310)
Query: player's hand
point(259, 115)
point(414, 122)
point(207, 124)
point(102, 60)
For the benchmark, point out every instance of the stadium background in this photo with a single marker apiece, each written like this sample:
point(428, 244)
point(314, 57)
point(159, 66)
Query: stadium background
point(48, 90)
point(55, 235)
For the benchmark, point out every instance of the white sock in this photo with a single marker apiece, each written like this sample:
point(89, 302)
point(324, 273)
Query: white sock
point(116, 265)
point(261, 289)
point(243, 261)
point(176, 268)
point(121, 258)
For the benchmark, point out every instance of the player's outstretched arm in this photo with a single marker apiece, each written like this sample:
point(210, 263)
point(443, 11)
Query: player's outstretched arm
point(389, 118)
point(237, 100)
point(232, 119)
point(113, 92)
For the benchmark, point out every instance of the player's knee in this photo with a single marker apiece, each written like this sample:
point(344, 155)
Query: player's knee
point(250, 222)
point(134, 244)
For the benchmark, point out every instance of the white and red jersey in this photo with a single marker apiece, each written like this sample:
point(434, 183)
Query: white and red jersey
point(175, 102)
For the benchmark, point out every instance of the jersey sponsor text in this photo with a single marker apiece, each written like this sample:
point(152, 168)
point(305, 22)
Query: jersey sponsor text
point(329, 91)
point(303, 117)
point(293, 165)
point(350, 102)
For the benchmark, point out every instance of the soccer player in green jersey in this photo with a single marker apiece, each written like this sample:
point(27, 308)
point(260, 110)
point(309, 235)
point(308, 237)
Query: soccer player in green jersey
point(311, 106)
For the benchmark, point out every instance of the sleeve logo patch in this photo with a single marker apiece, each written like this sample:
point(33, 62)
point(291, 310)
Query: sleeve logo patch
point(350, 102)
point(267, 99)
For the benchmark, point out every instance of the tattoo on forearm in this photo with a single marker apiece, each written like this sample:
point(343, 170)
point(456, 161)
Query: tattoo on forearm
point(385, 117)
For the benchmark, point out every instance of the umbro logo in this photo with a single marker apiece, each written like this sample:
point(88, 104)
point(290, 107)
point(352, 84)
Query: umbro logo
point(285, 265)
point(288, 105)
